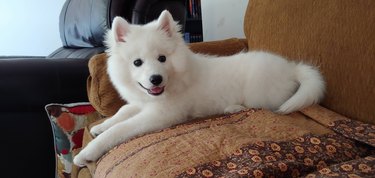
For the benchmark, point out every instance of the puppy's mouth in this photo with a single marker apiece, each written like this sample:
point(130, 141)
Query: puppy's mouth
point(155, 90)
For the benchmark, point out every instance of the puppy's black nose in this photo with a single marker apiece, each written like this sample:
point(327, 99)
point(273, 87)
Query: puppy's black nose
point(156, 79)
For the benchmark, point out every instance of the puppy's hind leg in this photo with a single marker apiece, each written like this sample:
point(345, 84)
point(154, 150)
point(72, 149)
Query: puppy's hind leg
point(233, 109)
point(122, 114)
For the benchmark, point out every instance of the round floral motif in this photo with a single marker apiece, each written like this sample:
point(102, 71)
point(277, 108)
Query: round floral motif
point(300, 139)
point(318, 148)
point(310, 176)
point(260, 143)
point(256, 159)
point(191, 171)
point(364, 168)
point(216, 163)
point(270, 158)
point(331, 124)
point(331, 149)
point(325, 171)
point(308, 162)
point(258, 173)
point(275, 147)
point(321, 165)
point(315, 140)
point(312, 150)
point(231, 165)
point(283, 167)
point(242, 172)
point(299, 149)
point(207, 173)
point(346, 167)
point(238, 152)
point(290, 157)
point(253, 152)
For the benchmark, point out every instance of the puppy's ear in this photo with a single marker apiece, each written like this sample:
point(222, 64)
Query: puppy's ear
point(120, 27)
point(166, 23)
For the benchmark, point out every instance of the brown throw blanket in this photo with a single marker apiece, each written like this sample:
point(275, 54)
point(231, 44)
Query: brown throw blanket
point(253, 143)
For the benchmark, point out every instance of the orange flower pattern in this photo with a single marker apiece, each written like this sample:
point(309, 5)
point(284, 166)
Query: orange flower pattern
point(312, 157)
point(362, 132)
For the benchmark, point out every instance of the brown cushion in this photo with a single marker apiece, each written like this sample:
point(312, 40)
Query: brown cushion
point(105, 98)
point(100, 90)
point(337, 35)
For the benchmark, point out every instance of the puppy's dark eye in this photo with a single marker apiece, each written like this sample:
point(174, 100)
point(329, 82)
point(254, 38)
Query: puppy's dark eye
point(138, 62)
point(162, 58)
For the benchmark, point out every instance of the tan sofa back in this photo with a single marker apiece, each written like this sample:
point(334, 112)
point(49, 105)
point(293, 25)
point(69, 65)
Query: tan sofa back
point(337, 35)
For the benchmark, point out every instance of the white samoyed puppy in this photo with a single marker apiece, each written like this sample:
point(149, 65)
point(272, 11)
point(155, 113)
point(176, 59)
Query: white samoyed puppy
point(165, 83)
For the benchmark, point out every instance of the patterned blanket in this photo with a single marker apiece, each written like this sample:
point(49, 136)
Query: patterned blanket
point(314, 142)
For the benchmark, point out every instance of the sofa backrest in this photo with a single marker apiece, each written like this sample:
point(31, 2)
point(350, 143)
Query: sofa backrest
point(83, 23)
point(336, 35)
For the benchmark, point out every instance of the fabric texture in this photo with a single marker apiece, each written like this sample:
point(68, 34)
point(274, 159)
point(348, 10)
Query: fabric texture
point(253, 142)
point(336, 35)
point(68, 122)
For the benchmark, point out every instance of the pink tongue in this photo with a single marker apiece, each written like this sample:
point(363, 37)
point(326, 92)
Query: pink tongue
point(156, 89)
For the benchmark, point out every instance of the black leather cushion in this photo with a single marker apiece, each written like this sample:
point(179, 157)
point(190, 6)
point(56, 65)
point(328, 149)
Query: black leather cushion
point(27, 85)
point(83, 23)
point(65, 52)
point(147, 10)
point(121, 8)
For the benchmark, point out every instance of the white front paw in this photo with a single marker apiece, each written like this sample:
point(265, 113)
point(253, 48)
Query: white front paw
point(80, 159)
point(96, 130)
point(86, 155)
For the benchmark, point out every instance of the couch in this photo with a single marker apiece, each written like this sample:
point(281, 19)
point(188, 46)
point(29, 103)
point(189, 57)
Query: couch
point(29, 83)
point(335, 138)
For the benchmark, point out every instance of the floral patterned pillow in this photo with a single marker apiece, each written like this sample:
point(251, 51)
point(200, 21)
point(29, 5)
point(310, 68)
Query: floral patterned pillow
point(68, 122)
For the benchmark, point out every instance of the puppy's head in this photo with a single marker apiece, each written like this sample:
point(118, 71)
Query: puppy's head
point(144, 58)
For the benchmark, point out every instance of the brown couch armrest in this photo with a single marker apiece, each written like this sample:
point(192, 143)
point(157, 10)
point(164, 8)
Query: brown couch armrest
point(222, 48)
point(101, 93)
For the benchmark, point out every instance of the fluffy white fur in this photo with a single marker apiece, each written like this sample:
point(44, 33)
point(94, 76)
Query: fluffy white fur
point(194, 85)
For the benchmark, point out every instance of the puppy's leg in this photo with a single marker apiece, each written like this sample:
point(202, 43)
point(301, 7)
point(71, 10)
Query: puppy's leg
point(122, 114)
point(233, 109)
point(146, 121)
